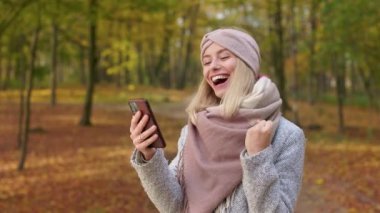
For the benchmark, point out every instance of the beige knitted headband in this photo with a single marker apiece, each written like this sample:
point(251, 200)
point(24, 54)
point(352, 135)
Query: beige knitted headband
point(238, 42)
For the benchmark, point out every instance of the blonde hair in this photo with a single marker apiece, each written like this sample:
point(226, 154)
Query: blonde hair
point(241, 83)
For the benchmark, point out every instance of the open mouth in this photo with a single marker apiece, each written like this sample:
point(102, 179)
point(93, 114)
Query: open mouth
point(219, 79)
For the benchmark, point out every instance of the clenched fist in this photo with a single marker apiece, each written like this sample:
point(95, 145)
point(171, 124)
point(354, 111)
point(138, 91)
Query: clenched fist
point(258, 137)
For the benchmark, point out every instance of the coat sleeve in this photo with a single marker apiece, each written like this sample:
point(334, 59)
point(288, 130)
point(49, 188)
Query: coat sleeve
point(158, 178)
point(272, 179)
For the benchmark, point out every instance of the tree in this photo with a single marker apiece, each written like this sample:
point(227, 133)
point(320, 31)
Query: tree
point(194, 10)
point(92, 62)
point(312, 51)
point(277, 43)
point(342, 45)
point(16, 10)
point(21, 66)
point(27, 102)
point(54, 46)
point(294, 47)
point(340, 75)
point(1, 62)
point(162, 68)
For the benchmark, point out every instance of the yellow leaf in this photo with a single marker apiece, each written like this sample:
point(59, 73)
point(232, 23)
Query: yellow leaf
point(319, 181)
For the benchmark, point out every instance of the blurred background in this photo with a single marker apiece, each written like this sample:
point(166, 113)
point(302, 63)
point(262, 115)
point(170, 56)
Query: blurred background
point(68, 67)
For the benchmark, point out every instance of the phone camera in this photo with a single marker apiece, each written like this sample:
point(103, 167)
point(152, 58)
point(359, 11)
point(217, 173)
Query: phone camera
point(134, 107)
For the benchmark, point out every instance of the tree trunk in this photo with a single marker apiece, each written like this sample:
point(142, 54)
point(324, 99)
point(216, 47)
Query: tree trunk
point(53, 80)
point(1, 63)
point(294, 50)
point(8, 71)
point(82, 65)
point(312, 76)
point(21, 68)
point(189, 45)
point(367, 87)
point(162, 66)
point(339, 69)
point(87, 109)
point(179, 56)
point(140, 63)
point(150, 61)
point(340, 98)
point(278, 53)
point(148, 58)
point(125, 55)
point(353, 76)
point(26, 107)
point(140, 56)
point(120, 81)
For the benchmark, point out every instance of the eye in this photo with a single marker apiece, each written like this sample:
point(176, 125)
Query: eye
point(205, 63)
point(225, 57)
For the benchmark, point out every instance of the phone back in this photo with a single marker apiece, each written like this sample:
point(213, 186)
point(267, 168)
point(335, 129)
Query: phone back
point(143, 106)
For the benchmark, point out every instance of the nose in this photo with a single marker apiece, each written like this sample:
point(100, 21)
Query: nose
point(215, 64)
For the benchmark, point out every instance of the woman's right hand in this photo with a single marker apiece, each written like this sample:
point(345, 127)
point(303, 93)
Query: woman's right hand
point(142, 139)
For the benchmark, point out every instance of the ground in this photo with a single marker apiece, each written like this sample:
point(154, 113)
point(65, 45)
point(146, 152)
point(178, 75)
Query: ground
point(86, 169)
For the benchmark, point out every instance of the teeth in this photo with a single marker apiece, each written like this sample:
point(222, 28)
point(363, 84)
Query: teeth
point(215, 78)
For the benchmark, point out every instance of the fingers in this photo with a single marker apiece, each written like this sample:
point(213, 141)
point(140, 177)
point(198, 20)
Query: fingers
point(144, 144)
point(267, 126)
point(144, 136)
point(134, 121)
point(137, 126)
point(142, 123)
point(260, 124)
point(143, 139)
point(258, 137)
point(263, 125)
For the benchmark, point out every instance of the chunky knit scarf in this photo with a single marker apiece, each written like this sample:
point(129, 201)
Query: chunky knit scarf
point(211, 168)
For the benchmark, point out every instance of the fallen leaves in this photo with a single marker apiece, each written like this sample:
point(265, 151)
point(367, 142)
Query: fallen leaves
point(71, 168)
point(79, 169)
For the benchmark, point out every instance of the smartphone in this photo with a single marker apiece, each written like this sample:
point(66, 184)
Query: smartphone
point(143, 106)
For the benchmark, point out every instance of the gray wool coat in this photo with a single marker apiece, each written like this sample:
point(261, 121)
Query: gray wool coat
point(271, 178)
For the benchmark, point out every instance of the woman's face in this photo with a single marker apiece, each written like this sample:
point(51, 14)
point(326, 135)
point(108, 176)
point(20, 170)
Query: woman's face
point(218, 65)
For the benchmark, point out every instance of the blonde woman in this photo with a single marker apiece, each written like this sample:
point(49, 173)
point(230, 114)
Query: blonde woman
point(237, 153)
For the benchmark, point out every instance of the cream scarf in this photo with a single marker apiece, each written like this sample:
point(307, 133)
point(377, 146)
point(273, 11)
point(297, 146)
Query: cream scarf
point(211, 156)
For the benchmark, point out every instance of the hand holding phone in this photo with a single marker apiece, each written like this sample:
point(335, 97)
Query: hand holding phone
point(143, 106)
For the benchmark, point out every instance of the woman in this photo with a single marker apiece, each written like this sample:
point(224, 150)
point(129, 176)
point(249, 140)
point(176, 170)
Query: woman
point(237, 153)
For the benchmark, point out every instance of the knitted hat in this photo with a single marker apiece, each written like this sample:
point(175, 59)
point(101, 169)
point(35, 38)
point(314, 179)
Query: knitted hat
point(238, 42)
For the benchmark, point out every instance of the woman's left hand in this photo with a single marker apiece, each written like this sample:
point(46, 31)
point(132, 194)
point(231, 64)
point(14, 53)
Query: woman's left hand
point(258, 137)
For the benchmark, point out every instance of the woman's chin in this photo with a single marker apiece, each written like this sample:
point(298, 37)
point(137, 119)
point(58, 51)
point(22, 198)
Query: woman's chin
point(219, 92)
point(221, 89)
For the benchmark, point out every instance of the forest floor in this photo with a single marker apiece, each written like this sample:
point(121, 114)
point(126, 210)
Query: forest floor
point(71, 168)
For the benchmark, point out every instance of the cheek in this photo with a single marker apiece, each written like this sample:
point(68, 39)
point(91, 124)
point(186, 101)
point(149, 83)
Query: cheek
point(232, 66)
point(204, 73)
point(205, 78)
